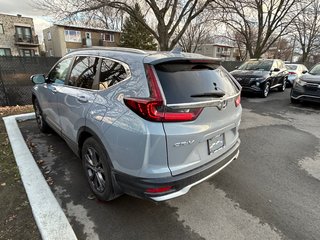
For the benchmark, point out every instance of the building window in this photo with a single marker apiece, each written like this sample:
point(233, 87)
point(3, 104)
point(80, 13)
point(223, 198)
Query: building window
point(49, 36)
point(23, 34)
point(108, 37)
point(50, 53)
point(1, 29)
point(72, 36)
point(26, 52)
point(218, 50)
point(5, 52)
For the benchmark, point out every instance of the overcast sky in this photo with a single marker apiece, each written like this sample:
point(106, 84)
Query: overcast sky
point(24, 8)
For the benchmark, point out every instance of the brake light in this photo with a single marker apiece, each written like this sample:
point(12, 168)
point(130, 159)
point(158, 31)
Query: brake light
point(292, 73)
point(237, 102)
point(159, 190)
point(153, 108)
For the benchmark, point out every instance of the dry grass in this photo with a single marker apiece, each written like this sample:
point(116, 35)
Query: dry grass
point(15, 213)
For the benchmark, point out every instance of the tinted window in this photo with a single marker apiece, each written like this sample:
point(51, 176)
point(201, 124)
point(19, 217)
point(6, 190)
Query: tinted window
point(83, 72)
point(60, 71)
point(264, 65)
point(111, 73)
point(181, 80)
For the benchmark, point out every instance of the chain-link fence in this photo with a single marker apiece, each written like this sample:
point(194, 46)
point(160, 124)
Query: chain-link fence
point(15, 72)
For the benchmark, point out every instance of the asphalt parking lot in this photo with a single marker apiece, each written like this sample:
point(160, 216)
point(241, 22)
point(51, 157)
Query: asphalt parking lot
point(271, 192)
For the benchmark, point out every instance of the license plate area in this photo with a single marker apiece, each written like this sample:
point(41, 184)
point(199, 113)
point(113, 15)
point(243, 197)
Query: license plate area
point(216, 143)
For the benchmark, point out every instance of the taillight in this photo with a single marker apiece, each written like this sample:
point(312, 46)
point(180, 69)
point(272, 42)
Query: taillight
point(237, 102)
point(292, 73)
point(153, 108)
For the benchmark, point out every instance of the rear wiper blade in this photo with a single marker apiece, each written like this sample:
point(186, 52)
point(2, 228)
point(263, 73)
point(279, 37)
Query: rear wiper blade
point(210, 94)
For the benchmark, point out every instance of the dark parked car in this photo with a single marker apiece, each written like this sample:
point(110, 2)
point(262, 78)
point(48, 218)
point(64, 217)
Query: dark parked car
point(307, 87)
point(261, 75)
point(149, 124)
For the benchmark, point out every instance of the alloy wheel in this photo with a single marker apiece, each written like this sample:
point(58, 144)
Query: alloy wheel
point(266, 89)
point(95, 169)
point(38, 113)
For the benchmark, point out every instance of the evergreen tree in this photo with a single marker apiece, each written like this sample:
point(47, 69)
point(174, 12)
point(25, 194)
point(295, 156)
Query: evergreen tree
point(134, 35)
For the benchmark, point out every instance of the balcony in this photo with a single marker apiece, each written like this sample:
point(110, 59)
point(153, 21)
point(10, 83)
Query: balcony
point(225, 53)
point(27, 40)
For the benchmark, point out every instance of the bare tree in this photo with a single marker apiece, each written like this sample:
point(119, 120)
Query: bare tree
point(168, 15)
point(259, 23)
point(197, 33)
point(307, 29)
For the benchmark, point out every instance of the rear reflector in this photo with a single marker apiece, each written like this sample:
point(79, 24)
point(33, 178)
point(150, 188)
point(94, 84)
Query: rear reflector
point(153, 108)
point(159, 190)
point(237, 102)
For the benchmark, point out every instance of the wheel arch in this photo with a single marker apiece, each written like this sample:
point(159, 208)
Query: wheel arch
point(83, 134)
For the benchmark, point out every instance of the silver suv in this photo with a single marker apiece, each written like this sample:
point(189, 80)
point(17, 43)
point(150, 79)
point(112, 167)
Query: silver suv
point(148, 124)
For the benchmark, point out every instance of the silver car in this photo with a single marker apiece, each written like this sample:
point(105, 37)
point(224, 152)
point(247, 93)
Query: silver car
point(148, 124)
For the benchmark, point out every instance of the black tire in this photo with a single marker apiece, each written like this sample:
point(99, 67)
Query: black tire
point(283, 86)
point(265, 90)
point(294, 101)
point(97, 169)
point(42, 124)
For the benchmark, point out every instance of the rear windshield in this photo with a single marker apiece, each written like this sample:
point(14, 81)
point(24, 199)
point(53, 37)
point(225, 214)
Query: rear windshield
point(181, 81)
point(292, 67)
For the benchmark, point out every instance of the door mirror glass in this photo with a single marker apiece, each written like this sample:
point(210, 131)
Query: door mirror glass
point(38, 78)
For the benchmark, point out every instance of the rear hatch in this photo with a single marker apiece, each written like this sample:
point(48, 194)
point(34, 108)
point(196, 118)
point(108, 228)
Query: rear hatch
point(208, 91)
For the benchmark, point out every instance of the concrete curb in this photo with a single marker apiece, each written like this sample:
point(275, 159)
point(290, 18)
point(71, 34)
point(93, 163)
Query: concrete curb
point(50, 218)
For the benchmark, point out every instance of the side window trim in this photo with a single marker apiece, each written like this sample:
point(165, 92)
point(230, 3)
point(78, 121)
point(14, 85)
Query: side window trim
point(124, 65)
point(96, 81)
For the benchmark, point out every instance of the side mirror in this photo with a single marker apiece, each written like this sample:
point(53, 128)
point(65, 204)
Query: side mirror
point(38, 78)
point(276, 70)
point(236, 67)
point(304, 72)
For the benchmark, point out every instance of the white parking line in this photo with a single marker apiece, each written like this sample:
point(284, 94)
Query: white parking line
point(50, 218)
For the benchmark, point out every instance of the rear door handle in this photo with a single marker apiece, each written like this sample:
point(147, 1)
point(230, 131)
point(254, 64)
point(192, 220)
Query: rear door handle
point(82, 99)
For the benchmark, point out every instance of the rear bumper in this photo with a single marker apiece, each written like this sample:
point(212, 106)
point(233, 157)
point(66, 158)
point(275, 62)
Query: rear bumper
point(253, 88)
point(181, 183)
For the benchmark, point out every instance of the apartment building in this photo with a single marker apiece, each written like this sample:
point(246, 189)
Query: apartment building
point(217, 50)
point(61, 39)
point(17, 36)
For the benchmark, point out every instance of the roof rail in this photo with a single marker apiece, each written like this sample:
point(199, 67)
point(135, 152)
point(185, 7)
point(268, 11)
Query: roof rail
point(121, 49)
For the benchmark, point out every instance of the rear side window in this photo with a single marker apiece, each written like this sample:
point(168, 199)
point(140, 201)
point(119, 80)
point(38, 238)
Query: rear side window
point(182, 80)
point(83, 72)
point(112, 72)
